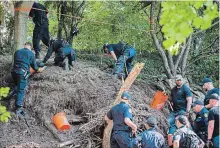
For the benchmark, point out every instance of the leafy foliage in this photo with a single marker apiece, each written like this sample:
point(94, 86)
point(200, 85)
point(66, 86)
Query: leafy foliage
point(4, 114)
point(111, 22)
point(180, 19)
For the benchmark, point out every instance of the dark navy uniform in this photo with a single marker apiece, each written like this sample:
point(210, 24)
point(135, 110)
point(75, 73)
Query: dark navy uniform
point(125, 55)
point(209, 93)
point(62, 50)
point(41, 31)
point(23, 59)
point(179, 96)
point(121, 133)
point(152, 139)
point(214, 116)
point(200, 125)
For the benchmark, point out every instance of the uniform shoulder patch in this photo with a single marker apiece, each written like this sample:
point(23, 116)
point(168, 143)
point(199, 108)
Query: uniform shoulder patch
point(206, 115)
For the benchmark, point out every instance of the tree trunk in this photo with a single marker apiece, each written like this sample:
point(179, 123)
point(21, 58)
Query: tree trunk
point(75, 12)
point(158, 45)
point(20, 23)
point(185, 56)
point(61, 20)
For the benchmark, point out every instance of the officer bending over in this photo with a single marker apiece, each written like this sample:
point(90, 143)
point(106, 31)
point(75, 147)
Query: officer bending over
point(123, 55)
point(23, 60)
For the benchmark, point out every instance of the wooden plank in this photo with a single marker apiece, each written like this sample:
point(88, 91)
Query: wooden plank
point(126, 85)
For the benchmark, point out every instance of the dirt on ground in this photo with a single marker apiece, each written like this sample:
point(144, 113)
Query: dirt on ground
point(84, 92)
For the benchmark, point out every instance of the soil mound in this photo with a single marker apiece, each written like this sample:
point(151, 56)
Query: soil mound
point(84, 92)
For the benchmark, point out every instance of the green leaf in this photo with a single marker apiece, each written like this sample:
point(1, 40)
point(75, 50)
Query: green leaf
point(180, 37)
point(2, 118)
point(167, 43)
point(206, 24)
point(198, 4)
point(6, 119)
point(7, 114)
point(2, 109)
point(197, 22)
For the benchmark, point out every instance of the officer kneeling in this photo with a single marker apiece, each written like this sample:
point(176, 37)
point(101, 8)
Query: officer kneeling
point(123, 127)
point(62, 51)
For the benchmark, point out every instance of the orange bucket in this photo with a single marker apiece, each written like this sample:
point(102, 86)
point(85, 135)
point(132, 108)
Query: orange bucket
point(32, 70)
point(61, 121)
point(159, 100)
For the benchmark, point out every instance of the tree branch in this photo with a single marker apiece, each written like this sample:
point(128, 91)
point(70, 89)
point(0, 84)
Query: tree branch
point(180, 55)
point(202, 56)
point(185, 56)
point(216, 23)
point(170, 61)
point(156, 41)
point(80, 6)
point(211, 44)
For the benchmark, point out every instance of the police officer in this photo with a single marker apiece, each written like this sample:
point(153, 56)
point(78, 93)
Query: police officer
point(62, 50)
point(123, 127)
point(182, 134)
point(23, 60)
point(200, 125)
point(208, 87)
point(150, 137)
point(182, 100)
point(213, 125)
point(41, 31)
point(123, 55)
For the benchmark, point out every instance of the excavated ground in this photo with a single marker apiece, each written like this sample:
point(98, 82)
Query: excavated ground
point(84, 91)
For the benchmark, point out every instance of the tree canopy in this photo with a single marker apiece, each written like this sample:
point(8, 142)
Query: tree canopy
point(180, 19)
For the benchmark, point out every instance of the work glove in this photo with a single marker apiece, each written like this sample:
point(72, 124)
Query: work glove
point(209, 144)
point(40, 69)
point(41, 64)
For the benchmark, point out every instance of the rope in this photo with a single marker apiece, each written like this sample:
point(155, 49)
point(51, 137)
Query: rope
point(82, 18)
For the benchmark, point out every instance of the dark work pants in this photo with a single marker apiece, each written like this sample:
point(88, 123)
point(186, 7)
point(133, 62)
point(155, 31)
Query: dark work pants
point(65, 52)
point(20, 84)
point(121, 139)
point(124, 60)
point(40, 33)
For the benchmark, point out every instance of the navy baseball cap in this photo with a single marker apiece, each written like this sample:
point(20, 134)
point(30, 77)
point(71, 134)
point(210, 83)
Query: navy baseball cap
point(182, 119)
point(205, 80)
point(214, 96)
point(181, 112)
point(151, 121)
point(126, 95)
point(197, 102)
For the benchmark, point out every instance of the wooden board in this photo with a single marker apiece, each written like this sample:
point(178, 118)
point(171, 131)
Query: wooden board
point(126, 85)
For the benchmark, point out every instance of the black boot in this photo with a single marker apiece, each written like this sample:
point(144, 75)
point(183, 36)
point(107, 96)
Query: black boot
point(19, 111)
point(37, 56)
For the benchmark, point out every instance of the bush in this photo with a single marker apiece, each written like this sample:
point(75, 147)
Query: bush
point(4, 114)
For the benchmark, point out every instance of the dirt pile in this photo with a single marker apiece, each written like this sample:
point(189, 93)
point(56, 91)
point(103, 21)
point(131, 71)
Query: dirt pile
point(84, 91)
